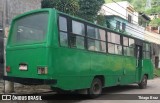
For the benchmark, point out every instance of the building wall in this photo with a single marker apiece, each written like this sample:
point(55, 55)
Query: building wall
point(152, 37)
point(135, 30)
point(131, 29)
point(8, 10)
point(1, 13)
point(15, 7)
point(119, 9)
point(113, 19)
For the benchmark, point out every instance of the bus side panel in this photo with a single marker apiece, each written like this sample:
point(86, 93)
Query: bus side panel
point(71, 68)
point(109, 66)
point(33, 57)
point(129, 72)
point(147, 68)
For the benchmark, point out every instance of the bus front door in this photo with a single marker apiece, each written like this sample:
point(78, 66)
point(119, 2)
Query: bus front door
point(139, 62)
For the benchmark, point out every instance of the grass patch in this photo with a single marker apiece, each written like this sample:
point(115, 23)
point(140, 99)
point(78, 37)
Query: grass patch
point(157, 72)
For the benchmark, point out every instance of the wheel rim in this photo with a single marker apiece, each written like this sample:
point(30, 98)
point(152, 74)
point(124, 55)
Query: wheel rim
point(96, 88)
point(144, 81)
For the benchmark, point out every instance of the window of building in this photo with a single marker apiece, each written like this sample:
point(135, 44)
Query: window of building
point(63, 31)
point(124, 26)
point(129, 18)
point(118, 25)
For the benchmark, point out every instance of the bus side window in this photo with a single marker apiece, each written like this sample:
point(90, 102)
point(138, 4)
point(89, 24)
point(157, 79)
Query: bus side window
point(96, 39)
point(63, 34)
point(114, 44)
point(77, 35)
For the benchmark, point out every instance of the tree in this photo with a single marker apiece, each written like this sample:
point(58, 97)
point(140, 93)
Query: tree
point(67, 6)
point(101, 20)
point(88, 9)
point(155, 22)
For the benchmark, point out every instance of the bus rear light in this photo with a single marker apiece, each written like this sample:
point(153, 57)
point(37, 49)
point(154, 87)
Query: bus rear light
point(42, 70)
point(8, 69)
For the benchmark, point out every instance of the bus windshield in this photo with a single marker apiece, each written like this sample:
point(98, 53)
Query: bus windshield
point(30, 29)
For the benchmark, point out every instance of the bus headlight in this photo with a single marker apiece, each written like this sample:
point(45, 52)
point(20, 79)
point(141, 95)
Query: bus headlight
point(42, 70)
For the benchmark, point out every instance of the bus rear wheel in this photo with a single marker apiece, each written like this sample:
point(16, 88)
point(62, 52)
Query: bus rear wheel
point(96, 88)
point(143, 83)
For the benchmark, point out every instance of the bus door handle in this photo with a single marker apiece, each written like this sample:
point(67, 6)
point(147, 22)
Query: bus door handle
point(137, 63)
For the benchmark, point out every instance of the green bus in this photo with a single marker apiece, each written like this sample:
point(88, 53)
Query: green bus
point(71, 54)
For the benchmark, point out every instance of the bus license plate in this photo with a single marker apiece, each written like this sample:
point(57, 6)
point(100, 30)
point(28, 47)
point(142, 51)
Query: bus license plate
point(23, 67)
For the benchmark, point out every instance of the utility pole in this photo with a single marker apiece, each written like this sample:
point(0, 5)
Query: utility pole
point(8, 86)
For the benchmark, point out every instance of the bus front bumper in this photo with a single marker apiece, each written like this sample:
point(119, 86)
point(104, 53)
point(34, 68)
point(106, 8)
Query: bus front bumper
point(30, 81)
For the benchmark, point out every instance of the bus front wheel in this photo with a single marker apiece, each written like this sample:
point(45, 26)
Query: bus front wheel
point(143, 83)
point(96, 88)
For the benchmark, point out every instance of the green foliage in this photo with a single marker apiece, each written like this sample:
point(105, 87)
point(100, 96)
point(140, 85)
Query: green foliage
point(139, 5)
point(89, 8)
point(157, 72)
point(101, 19)
point(155, 9)
point(67, 6)
point(155, 22)
point(86, 9)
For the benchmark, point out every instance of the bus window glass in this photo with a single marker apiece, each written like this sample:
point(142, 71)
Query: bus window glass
point(62, 23)
point(147, 47)
point(131, 42)
point(146, 51)
point(63, 34)
point(128, 51)
point(77, 42)
point(30, 29)
point(111, 48)
point(103, 47)
point(131, 51)
point(93, 45)
point(117, 39)
point(93, 32)
point(114, 38)
point(125, 41)
point(63, 39)
point(118, 49)
point(102, 34)
point(78, 28)
point(147, 55)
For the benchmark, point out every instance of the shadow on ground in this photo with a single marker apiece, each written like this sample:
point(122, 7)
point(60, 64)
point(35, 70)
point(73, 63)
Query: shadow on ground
point(109, 92)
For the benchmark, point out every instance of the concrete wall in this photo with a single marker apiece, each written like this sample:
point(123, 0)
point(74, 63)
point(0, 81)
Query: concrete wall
point(8, 10)
point(152, 37)
point(119, 9)
point(135, 30)
point(15, 7)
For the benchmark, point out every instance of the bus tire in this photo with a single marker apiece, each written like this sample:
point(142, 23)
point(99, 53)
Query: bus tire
point(143, 83)
point(96, 88)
